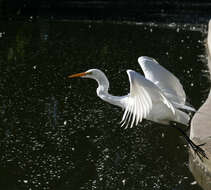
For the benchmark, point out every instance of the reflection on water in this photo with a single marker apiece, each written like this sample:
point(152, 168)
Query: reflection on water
point(57, 134)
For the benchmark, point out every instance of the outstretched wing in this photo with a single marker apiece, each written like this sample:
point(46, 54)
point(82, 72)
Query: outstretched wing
point(165, 80)
point(139, 102)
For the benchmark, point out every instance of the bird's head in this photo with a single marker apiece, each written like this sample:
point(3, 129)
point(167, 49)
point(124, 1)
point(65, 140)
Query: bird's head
point(95, 74)
point(91, 73)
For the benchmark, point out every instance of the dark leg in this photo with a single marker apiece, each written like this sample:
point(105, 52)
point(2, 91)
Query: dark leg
point(196, 148)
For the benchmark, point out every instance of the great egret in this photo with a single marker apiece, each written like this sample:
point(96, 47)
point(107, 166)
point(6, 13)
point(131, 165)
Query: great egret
point(158, 97)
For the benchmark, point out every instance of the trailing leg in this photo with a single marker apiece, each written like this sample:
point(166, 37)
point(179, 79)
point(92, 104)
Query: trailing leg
point(196, 148)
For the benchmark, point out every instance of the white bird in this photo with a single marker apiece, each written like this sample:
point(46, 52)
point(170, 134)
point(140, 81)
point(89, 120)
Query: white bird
point(158, 97)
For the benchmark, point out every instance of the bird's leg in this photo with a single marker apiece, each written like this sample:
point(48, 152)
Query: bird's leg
point(187, 128)
point(196, 148)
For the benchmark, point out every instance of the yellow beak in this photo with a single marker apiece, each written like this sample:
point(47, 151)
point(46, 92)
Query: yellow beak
point(77, 75)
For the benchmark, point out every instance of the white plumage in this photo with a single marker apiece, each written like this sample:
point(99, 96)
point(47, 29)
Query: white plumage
point(158, 96)
point(143, 101)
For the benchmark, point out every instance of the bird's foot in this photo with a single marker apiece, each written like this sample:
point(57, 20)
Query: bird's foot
point(201, 144)
point(199, 151)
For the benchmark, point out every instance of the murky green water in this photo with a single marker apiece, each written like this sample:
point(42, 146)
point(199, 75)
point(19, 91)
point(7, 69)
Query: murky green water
point(57, 134)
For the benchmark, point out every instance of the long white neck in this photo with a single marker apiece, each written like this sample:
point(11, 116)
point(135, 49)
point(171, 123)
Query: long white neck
point(102, 91)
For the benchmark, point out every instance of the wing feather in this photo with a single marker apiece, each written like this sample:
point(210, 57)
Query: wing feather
point(143, 94)
point(165, 80)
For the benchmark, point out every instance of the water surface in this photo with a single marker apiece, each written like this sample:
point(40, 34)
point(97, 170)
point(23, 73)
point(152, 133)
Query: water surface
point(57, 134)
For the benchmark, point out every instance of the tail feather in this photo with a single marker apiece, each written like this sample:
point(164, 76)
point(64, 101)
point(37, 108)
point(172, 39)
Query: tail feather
point(182, 117)
point(184, 107)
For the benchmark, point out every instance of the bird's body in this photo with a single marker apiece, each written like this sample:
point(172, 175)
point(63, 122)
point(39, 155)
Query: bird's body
point(158, 97)
point(153, 105)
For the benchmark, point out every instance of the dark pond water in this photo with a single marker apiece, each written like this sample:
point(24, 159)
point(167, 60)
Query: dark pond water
point(56, 133)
